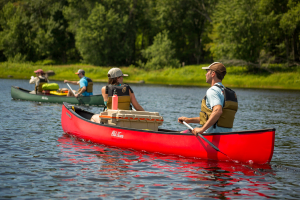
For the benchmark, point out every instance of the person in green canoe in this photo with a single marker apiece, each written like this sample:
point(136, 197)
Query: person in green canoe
point(219, 105)
point(39, 80)
point(85, 85)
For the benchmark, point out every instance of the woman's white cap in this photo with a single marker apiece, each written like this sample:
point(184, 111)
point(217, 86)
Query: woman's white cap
point(115, 72)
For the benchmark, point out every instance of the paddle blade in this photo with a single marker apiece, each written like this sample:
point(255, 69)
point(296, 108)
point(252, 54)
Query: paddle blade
point(211, 144)
point(50, 73)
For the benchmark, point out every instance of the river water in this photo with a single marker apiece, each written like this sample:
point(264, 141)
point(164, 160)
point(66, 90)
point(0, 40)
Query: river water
point(38, 161)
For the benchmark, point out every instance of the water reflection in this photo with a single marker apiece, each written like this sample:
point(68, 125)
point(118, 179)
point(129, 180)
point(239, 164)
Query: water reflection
point(143, 172)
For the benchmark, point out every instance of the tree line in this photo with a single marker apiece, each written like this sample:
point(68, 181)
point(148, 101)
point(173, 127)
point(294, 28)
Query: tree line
point(150, 33)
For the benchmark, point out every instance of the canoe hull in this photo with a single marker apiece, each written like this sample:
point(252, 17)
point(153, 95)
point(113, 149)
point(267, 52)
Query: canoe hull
point(246, 146)
point(23, 94)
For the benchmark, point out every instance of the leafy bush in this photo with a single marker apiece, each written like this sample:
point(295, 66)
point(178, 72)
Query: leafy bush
point(45, 62)
point(160, 54)
point(18, 58)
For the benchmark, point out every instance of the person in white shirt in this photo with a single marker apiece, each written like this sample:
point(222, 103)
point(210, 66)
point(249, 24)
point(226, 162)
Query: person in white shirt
point(39, 80)
point(219, 105)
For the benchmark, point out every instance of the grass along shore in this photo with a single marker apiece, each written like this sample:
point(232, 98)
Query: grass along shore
point(191, 75)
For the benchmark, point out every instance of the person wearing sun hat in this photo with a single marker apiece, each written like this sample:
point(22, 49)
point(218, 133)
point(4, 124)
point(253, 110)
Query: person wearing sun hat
point(85, 85)
point(124, 92)
point(218, 106)
point(39, 80)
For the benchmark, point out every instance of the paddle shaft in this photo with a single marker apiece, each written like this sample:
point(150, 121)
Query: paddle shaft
point(74, 93)
point(70, 88)
point(211, 144)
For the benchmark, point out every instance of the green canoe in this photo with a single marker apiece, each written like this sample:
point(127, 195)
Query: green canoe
point(23, 94)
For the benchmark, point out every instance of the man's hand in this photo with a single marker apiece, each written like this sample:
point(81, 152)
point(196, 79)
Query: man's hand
point(76, 95)
point(181, 119)
point(197, 131)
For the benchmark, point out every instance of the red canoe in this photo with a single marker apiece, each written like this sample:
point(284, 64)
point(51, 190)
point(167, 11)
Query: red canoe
point(254, 146)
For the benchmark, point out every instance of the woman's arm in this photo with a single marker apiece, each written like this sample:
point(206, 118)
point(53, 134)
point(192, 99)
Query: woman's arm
point(105, 96)
point(134, 102)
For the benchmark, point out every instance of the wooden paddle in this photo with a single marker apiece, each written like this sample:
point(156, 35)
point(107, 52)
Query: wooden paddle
point(79, 100)
point(211, 144)
point(50, 73)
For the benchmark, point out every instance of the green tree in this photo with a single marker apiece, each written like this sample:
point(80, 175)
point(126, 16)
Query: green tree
point(238, 30)
point(15, 37)
point(77, 10)
point(35, 30)
point(144, 27)
point(99, 38)
point(135, 18)
point(52, 39)
point(277, 40)
point(290, 24)
point(161, 53)
point(257, 31)
point(188, 23)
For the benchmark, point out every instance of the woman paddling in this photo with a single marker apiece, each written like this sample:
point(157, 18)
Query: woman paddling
point(125, 94)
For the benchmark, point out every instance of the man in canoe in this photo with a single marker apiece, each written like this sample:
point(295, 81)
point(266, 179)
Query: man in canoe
point(218, 106)
point(85, 85)
point(39, 80)
point(124, 92)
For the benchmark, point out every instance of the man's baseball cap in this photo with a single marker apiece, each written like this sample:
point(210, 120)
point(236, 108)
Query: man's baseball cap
point(80, 71)
point(217, 67)
point(115, 72)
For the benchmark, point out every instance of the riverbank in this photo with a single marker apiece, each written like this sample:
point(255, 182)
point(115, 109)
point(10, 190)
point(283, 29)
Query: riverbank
point(192, 75)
